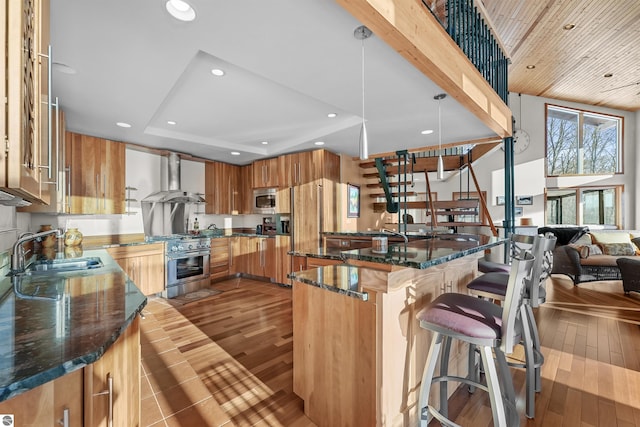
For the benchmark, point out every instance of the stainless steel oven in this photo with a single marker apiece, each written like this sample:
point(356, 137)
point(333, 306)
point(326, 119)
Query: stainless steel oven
point(187, 265)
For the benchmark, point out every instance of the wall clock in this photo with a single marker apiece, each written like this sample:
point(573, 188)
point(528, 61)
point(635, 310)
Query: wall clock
point(521, 141)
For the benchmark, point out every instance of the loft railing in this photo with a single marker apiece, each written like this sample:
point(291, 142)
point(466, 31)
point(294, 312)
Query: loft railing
point(465, 25)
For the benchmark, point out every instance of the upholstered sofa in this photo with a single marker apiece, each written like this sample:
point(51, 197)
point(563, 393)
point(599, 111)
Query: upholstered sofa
point(589, 255)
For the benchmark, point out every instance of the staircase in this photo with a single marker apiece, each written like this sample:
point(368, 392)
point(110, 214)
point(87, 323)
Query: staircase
point(395, 176)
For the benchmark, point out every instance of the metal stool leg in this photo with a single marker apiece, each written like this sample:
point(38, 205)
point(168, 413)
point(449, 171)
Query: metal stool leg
point(427, 376)
point(537, 348)
point(493, 384)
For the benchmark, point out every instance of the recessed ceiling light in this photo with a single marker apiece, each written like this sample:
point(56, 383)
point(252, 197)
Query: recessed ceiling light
point(235, 153)
point(123, 125)
point(608, 75)
point(217, 72)
point(265, 142)
point(181, 10)
point(530, 67)
point(427, 131)
point(171, 122)
point(331, 115)
point(569, 26)
point(319, 143)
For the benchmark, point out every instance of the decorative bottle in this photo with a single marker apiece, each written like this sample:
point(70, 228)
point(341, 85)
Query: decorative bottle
point(50, 240)
point(72, 237)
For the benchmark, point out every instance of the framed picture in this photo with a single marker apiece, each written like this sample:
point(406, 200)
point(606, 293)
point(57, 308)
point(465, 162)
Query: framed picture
point(353, 195)
point(524, 200)
point(518, 211)
point(500, 200)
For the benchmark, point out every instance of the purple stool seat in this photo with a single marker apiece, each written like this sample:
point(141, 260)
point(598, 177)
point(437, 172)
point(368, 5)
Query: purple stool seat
point(493, 285)
point(485, 266)
point(470, 317)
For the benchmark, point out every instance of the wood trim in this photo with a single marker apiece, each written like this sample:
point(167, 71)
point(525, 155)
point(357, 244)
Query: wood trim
point(409, 28)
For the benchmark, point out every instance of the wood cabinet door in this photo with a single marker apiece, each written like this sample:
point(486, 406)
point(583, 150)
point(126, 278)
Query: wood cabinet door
point(112, 383)
point(144, 264)
point(234, 255)
point(112, 179)
point(219, 258)
point(84, 173)
point(25, 26)
point(283, 259)
point(265, 173)
point(269, 257)
point(45, 405)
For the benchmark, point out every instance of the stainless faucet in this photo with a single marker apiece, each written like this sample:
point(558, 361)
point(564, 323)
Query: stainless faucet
point(17, 257)
point(395, 233)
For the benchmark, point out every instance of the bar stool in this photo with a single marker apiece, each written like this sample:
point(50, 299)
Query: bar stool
point(482, 324)
point(518, 243)
point(493, 286)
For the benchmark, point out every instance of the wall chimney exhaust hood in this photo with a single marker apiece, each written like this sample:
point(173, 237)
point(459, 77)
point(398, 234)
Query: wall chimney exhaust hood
point(166, 212)
point(174, 194)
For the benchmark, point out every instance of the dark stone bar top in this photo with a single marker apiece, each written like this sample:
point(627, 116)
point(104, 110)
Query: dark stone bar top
point(343, 279)
point(425, 253)
point(54, 323)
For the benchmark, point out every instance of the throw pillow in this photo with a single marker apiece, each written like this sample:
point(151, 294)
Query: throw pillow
point(618, 249)
point(610, 237)
point(594, 249)
point(583, 250)
point(636, 241)
point(585, 239)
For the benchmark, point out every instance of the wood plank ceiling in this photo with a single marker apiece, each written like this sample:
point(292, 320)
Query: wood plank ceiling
point(571, 64)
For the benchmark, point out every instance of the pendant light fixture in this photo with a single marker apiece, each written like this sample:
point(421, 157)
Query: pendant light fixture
point(362, 33)
point(440, 170)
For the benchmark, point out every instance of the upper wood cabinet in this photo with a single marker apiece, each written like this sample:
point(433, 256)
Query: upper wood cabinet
point(96, 175)
point(223, 189)
point(301, 168)
point(265, 173)
point(25, 23)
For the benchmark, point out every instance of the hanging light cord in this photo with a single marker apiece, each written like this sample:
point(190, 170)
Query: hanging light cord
point(363, 81)
point(439, 128)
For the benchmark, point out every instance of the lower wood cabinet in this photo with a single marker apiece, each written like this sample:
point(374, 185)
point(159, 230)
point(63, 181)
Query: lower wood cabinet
point(144, 264)
point(112, 383)
point(87, 397)
point(219, 258)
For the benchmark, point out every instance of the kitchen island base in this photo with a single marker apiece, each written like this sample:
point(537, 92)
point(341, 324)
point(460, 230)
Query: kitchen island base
point(358, 351)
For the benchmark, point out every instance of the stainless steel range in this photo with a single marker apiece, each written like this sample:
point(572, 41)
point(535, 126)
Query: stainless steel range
point(187, 264)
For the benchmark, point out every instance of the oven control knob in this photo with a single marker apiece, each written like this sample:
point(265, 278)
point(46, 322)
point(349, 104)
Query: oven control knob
point(190, 246)
point(173, 248)
point(180, 248)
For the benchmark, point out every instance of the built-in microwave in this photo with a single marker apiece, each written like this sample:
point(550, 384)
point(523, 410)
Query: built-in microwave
point(264, 201)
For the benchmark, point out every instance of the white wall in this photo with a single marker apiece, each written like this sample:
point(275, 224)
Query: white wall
point(529, 174)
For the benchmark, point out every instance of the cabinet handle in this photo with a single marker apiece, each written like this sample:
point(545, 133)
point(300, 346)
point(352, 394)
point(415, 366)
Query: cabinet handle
point(97, 192)
point(49, 112)
point(64, 422)
point(109, 393)
point(68, 170)
point(104, 192)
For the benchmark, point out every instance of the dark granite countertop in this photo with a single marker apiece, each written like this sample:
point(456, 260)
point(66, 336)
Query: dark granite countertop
point(55, 323)
point(343, 279)
point(422, 253)
point(425, 253)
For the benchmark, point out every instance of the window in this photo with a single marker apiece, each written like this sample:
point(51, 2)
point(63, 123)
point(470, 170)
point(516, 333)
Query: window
point(582, 143)
point(598, 206)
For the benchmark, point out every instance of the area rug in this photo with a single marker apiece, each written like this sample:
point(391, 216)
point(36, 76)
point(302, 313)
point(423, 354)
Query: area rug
point(193, 297)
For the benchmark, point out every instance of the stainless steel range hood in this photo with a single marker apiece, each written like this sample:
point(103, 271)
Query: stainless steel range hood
point(166, 212)
point(174, 194)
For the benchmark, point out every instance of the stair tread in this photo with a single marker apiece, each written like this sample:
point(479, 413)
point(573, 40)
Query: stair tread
point(409, 194)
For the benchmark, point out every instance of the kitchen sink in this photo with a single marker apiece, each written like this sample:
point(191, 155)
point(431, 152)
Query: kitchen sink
point(64, 264)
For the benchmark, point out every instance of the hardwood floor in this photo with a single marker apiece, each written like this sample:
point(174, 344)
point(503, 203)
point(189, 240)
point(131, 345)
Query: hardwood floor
point(227, 360)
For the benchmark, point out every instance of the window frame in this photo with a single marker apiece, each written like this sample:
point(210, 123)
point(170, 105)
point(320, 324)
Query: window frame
point(579, 214)
point(580, 112)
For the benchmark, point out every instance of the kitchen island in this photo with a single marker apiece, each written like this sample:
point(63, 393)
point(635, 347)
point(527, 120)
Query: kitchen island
point(358, 350)
point(67, 335)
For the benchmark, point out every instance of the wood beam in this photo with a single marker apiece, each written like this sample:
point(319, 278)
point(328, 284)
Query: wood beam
point(409, 28)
